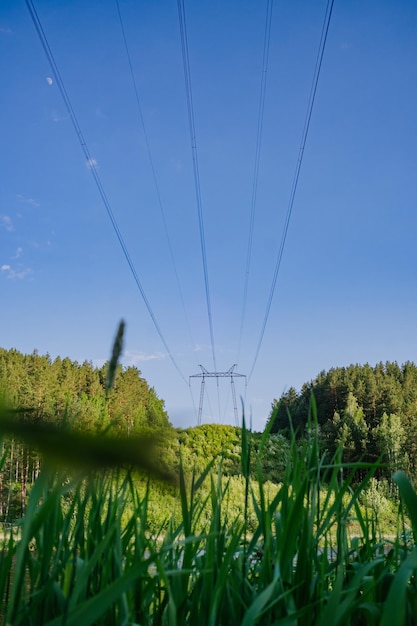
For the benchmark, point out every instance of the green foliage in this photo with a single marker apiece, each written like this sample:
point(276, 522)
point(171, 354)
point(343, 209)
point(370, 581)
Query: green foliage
point(62, 407)
point(388, 388)
point(370, 411)
point(224, 445)
point(91, 398)
point(350, 431)
point(378, 498)
point(391, 437)
point(84, 553)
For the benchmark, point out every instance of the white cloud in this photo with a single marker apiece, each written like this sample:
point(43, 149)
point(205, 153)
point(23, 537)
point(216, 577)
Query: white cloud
point(25, 200)
point(20, 274)
point(132, 357)
point(5, 30)
point(18, 253)
point(6, 220)
point(49, 80)
point(92, 163)
point(15, 274)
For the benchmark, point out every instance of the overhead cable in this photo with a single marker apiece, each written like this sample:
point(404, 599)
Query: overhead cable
point(267, 37)
point(154, 176)
point(317, 69)
point(93, 168)
point(190, 108)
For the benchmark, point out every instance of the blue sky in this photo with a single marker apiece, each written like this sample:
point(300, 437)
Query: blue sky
point(346, 290)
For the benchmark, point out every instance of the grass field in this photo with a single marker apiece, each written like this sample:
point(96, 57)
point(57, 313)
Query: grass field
point(83, 553)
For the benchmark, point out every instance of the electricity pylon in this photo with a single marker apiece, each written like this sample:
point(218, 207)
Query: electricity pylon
point(229, 374)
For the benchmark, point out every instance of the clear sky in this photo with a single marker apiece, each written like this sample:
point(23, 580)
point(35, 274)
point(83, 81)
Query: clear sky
point(346, 290)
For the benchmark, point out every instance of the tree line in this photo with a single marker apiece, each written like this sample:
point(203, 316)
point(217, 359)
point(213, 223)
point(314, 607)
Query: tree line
point(65, 393)
point(371, 412)
point(61, 389)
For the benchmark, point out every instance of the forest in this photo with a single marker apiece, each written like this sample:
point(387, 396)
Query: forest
point(63, 389)
point(66, 394)
point(371, 412)
point(63, 393)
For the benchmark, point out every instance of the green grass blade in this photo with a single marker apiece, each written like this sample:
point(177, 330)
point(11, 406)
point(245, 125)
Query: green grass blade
point(89, 611)
point(395, 607)
point(409, 496)
point(116, 352)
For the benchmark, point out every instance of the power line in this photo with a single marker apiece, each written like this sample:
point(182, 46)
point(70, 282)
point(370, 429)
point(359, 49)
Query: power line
point(92, 166)
point(267, 37)
point(316, 75)
point(190, 108)
point(154, 176)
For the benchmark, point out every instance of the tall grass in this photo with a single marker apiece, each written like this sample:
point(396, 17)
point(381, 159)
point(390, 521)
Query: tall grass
point(84, 555)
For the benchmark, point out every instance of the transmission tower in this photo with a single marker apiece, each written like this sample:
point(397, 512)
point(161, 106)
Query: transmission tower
point(229, 374)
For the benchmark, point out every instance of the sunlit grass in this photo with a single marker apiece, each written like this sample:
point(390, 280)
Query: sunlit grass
point(84, 554)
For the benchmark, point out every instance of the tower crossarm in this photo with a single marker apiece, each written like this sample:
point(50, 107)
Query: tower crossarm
point(206, 374)
point(229, 374)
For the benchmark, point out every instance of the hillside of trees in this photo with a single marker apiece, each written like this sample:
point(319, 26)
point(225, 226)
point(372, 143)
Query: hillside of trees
point(370, 411)
point(64, 393)
point(62, 389)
